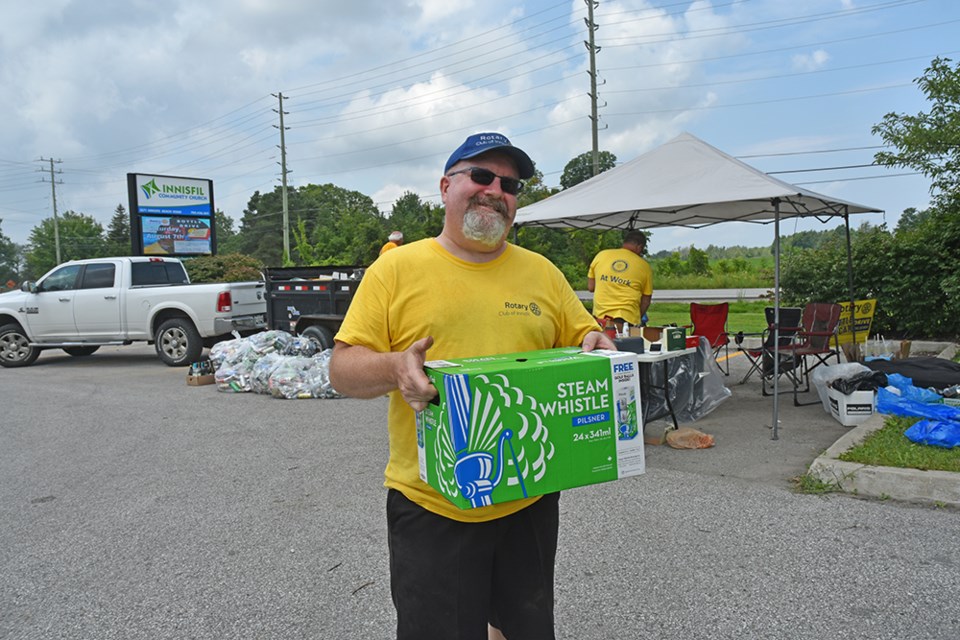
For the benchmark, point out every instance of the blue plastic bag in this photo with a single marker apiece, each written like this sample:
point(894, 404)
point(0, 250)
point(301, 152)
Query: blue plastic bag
point(890, 403)
point(909, 391)
point(935, 432)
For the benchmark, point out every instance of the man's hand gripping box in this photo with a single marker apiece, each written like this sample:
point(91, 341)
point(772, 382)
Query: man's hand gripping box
point(519, 425)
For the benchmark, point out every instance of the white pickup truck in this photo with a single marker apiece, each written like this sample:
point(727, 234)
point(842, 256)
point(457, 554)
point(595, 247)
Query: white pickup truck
point(82, 305)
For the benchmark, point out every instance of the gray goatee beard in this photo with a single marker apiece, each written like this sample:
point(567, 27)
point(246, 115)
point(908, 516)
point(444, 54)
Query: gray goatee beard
point(485, 227)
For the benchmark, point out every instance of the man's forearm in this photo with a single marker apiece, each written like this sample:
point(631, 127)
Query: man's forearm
point(360, 372)
point(645, 303)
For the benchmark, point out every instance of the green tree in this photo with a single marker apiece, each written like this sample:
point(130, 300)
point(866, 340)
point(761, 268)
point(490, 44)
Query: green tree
point(118, 233)
point(534, 190)
point(9, 259)
point(226, 235)
point(329, 225)
point(929, 141)
point(337, 227)
point(581, 167)
point(697, 262)
point(910, 218)
point(80, 237)
point(911, 273)
point(810, 239)
point(671, 265)
point(415, 218)
point(224, 267)
point(261, 227)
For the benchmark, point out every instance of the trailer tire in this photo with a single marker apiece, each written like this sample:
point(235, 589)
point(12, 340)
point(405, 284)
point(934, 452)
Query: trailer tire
point(178, 342)
point(15, 349)
point(321, 335)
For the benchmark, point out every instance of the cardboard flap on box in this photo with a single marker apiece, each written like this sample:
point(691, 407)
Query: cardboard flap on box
point(652, 334)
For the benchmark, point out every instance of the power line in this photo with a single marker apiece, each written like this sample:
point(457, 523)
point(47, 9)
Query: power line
point(886, 5)
point(891, 175)
point(801, 153)
point(233, 140)
point(849, 166)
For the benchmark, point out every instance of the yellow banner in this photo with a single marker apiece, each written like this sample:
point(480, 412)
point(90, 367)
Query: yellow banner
point(864, 313)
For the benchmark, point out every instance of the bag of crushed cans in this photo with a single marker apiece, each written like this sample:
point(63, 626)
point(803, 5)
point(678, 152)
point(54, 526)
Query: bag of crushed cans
point(275, 363)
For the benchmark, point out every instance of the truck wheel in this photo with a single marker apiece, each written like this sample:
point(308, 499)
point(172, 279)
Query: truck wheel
point(178, 343)
point(15, 349)
point(321, 335)
point(79, 352)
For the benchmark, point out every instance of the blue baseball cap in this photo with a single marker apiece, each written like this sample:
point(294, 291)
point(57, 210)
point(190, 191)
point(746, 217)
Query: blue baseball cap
point(482, 142)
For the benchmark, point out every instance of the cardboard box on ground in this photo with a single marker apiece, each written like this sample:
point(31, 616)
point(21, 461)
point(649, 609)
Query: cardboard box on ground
point(519, 425)
point(200, 373)
point(200, 380)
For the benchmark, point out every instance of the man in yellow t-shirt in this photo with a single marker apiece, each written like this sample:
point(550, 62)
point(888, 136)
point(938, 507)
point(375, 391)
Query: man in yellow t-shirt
point(622, 282)
point(464, 293)
point(394, 240)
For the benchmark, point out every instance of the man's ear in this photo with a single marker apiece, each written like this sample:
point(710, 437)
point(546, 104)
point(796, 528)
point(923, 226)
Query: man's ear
point(444, 185)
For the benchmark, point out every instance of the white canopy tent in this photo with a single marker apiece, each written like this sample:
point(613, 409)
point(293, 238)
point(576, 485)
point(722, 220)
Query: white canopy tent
point(688, 183)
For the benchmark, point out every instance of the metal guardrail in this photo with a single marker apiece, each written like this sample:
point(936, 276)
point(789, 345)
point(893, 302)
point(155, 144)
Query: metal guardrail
point(699, 295)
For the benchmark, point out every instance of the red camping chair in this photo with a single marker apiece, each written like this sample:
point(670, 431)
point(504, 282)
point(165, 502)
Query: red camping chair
point(819, 324)
point(710, 321)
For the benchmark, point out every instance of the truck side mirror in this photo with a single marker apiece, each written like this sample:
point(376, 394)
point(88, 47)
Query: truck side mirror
point(29, 286)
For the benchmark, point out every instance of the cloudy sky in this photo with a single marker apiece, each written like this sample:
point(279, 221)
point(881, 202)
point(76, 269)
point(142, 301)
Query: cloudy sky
point(377, 94)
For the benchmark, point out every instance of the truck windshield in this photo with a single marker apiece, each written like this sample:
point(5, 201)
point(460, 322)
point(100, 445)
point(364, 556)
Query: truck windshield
point(152, 273)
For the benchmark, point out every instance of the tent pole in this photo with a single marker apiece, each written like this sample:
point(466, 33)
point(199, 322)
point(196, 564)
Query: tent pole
point(776, 320)
point(853, 306)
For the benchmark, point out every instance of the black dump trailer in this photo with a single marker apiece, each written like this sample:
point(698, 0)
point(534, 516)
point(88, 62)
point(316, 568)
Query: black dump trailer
point(310, 301)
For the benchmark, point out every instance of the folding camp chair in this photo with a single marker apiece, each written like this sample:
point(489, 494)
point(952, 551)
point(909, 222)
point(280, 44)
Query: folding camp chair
point(761, 357)
point(710, 321)
point(819, 324)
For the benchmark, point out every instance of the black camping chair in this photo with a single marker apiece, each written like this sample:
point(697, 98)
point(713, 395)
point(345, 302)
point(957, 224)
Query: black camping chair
point(819, 325)
point(761, 358)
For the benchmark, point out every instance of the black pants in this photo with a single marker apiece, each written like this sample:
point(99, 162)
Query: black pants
point(450, 578)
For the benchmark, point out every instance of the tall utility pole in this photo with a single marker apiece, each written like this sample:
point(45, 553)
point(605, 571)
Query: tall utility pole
point(53, 193)
point(283, 174)
point(593, 50)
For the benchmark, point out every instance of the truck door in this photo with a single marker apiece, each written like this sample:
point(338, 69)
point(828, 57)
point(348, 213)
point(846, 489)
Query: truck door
point(96, 302)
point(49, 312)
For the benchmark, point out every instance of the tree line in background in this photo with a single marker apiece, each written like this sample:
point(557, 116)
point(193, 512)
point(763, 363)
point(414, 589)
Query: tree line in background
point(329, 225)
point(911, 269)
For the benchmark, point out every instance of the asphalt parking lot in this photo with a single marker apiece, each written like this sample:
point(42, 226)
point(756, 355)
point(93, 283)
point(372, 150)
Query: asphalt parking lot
point(133, 506)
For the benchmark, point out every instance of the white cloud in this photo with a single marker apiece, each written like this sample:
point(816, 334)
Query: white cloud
point(810, 61)
point(379, 93)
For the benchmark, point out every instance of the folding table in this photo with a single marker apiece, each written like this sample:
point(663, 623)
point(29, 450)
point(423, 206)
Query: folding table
point(647, 360)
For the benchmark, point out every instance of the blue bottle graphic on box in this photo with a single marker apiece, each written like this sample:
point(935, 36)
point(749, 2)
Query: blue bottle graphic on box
point(473, 469)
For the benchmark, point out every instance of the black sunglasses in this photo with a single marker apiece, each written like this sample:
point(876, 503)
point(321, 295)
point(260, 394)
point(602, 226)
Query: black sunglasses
point(485, 177)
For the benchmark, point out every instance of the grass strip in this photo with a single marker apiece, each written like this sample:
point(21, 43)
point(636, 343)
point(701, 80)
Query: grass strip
point(888, 447)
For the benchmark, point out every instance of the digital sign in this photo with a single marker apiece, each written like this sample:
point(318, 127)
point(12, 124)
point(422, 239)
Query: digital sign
point(171, 215)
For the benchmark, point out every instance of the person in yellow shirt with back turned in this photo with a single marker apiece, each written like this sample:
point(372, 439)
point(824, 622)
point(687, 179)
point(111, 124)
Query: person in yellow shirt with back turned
point(622, 282)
